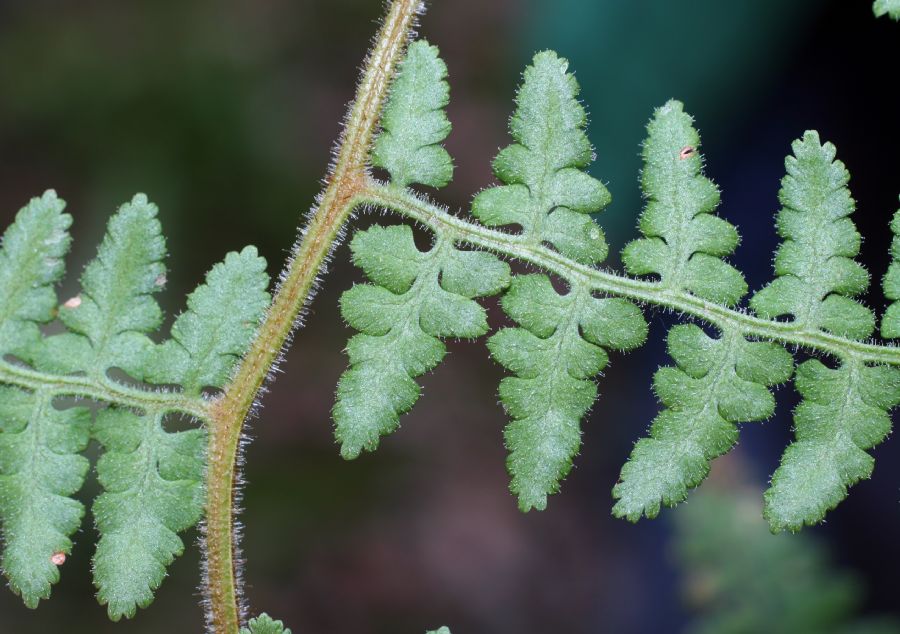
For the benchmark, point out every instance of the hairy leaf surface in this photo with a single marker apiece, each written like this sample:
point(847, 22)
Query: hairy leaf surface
point(152, 481)
point(716, 384)
point(890, 322)
point(546, 191)
point(40, 470)
point(221, 317)
point(843, 413)
point(414, 123)
point(30, 264)
point(264, 624)
point(558, 349)
point(816, 275)
point(416, 300)
point(684, 242)
point(109, 319)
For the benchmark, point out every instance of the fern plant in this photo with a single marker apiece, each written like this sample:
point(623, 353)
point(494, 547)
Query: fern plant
point(157, 483)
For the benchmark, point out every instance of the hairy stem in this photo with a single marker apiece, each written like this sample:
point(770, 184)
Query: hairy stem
point(408, 204)
point(345, 181)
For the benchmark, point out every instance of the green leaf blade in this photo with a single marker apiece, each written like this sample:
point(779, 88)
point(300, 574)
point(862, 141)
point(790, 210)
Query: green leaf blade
point(545, 189)
point(212, 335)
point(264, 624)
point(152, 481)
point(716, 384)
point(890, 322)
point(109, 320)
point(30, 264)
point(817, 278)
point(414, 122)
point(554, 355)
point(40, 470)
point(683, 242)
point(419, 299)
point(844, 412)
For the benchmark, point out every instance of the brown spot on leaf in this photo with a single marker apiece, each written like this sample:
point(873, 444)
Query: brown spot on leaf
point(686, 151)
point(73, 302)
point(58, 559)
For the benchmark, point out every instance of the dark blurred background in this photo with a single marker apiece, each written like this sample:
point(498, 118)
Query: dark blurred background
point(224, 112)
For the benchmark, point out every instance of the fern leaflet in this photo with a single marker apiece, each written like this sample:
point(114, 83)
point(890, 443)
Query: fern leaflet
point(152, 478)
point(30, 264)
point(414, 123)
point(546, 192)
point(717, 383)
point(844, 412)
point(418, 298)
point(684, 242)
point(817, 277)
point(555, 354)
point(40, 470)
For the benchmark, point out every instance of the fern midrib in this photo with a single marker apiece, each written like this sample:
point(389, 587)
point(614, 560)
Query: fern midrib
point(151, 463)
point(562, 332)
point(727, 364)
point(681, 246)
point(101, 389)
point(539, 209)
point(430, 272)
point(415, 207)
point(34, 428)
point(818, 290)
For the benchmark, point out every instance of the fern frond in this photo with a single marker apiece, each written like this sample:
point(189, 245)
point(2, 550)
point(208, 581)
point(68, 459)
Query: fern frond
point(844, 412)
point(890, 322)
point(546, 191)
point(555, 354)
point(816, 275)
point(417, 299)
point(264, 624)
point(414, 123)
point(40, 470)
point(152, 479)
point(887, 7)
point(684, 241)
point(716, 384)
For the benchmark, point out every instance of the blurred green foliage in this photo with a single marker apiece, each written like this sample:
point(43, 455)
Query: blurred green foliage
point(741, 579)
